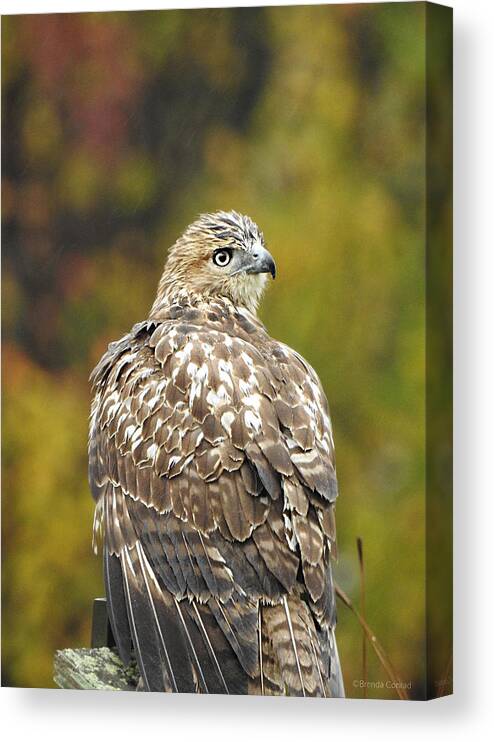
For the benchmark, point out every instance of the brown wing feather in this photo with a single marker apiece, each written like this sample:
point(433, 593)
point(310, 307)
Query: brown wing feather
point(212, 455)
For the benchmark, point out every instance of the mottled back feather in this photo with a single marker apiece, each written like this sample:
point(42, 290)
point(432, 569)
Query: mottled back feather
point(211, 460)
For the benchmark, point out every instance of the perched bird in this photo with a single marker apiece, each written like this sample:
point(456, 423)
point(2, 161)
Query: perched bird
point(211, 461)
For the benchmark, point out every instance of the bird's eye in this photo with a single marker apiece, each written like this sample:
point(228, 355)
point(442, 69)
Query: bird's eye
point(222, 257)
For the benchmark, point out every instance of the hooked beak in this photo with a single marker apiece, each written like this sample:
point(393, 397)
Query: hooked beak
point(261, 261)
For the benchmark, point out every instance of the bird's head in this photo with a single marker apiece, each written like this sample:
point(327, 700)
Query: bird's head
point(220, 254)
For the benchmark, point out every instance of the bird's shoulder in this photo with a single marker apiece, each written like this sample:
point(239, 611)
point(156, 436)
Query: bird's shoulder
point(217, 358)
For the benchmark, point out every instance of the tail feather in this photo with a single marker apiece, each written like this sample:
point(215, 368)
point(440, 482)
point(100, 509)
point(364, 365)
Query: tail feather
point(210, 650)
point(336, 684)
point(140, 628)
point(156, 608)
point(188, 628)
point(116, 605)
point(295, 649)
point(238, 622)
point(158, 640)
point(220, 669)
point(181, 646)
point(292, 657)
point(195, 641)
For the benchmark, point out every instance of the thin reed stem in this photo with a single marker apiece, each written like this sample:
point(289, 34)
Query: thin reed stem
point(360, 551)
point(376, 645)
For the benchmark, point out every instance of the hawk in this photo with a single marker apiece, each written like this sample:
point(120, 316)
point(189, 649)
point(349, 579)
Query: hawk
point(211, 461)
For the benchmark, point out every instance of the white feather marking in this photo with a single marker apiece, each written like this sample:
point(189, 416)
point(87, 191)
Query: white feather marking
point(173, 460)
point(202, 374)
point(192, 369)
point(245, 387)
point(324, 443)
point(225, 372)
point(248, 360)
point(152, 451)
point(252, 400)
point(98, 520)
point(306, 457)
point(137, 440)
point(289, 534)
point(217, 398)
point(227, 420)
point(207, 348)
point(253, 421)
point(195, 391)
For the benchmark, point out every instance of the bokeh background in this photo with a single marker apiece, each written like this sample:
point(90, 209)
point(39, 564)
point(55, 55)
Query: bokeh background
point(119, 128)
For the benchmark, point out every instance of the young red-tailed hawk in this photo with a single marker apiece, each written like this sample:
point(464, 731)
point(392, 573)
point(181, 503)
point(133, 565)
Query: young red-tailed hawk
point(211, 461)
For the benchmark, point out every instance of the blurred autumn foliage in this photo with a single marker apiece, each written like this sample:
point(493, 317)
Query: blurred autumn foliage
point(119, 128)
